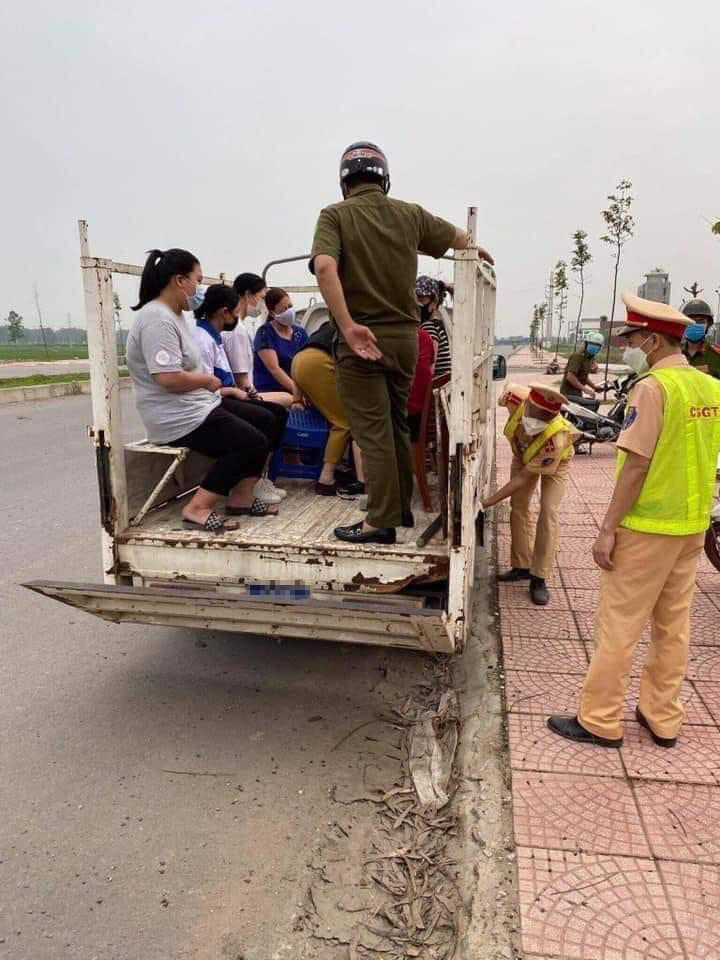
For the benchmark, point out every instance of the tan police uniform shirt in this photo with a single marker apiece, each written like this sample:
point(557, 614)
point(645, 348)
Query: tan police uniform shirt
point(549, 458)
point(646, 412)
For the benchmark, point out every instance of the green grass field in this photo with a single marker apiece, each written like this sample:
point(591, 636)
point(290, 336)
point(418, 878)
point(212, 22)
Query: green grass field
point(11, 352)
point(40, 379)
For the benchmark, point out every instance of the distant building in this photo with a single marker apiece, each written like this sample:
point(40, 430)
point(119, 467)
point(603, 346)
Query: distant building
point(594, 324)
point(656, 286)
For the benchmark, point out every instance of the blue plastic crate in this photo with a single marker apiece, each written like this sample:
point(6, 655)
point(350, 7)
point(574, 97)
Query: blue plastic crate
point(302, 447)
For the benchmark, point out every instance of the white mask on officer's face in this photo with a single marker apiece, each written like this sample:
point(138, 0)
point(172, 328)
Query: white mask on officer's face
point(532, 426)
point(636, 358)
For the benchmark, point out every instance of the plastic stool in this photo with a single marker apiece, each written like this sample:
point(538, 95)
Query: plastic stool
point(303, 442)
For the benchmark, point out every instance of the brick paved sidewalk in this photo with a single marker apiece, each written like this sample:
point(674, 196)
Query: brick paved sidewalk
point(618, 850)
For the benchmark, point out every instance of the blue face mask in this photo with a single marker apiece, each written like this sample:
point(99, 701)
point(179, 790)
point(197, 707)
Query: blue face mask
point(196, 299)
point(592, 349)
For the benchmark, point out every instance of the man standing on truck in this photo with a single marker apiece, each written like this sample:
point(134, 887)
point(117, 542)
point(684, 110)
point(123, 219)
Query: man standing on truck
point(652, 535)
point(364, 256)
point(580, 364)
point(541, 442)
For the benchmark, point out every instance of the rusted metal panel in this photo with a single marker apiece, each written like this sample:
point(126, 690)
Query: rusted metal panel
point(105, 392)
point(385, 624)
point(238, 562)
point(471, 421)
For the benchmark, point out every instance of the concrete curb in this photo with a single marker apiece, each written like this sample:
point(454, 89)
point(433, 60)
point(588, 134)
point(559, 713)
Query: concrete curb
point(48, 391)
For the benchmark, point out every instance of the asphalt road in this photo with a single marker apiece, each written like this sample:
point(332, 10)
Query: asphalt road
point(105, 852)
point(29, 368)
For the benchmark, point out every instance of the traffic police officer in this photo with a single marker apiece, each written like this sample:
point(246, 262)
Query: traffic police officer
point(542, 445)
point(364, 256)
point(652, 534)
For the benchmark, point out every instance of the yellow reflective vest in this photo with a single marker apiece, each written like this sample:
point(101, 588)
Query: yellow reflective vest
point(677, 494)
point(557, 425)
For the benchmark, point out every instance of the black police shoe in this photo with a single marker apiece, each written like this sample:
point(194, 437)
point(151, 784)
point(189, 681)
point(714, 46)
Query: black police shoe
point(666, 742)
point(538, 591)
point(571, 729)
point(514, 575)
point(356, 534)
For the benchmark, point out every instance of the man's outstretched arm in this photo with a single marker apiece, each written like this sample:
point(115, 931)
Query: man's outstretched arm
point(461, 243)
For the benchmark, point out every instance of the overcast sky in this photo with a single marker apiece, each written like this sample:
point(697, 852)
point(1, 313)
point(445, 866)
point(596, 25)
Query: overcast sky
point(217, 126)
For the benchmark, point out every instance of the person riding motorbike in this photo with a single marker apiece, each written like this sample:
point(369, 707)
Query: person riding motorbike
point(576, 378)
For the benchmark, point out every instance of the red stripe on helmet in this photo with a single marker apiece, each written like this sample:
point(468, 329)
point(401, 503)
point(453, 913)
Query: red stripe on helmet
point(673, 328)
point(365, 153)
point(544, 403)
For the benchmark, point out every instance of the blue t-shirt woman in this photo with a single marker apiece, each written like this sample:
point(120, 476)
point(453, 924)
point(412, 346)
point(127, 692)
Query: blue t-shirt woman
point(276, 343)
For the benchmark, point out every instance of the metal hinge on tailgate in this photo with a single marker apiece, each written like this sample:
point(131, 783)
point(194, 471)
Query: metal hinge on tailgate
point(456, 485)
point(102, 464)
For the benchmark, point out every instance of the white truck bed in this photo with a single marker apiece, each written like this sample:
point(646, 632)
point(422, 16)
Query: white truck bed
point(298, 545)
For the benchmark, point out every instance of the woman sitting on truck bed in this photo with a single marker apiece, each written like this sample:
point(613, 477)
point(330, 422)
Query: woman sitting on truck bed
point(180, 405)
point(276, 343)
point(219, 313)
point(238, 344)
point(313, 375)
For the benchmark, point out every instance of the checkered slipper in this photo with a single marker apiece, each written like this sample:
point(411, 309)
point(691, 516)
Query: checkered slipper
point(213, 524)
point(258, 509)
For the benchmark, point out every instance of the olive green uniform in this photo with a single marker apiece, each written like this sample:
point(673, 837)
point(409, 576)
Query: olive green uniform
point(375, 241)
point(707, 358)
point(579, 363)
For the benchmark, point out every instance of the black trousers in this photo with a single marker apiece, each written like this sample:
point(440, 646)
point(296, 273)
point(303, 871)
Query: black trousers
point(240, 434)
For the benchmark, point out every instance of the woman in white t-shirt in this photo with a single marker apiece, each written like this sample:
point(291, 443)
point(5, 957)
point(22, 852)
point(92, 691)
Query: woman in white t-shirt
point(217, 317)
point(238, 343)
point(180, 403)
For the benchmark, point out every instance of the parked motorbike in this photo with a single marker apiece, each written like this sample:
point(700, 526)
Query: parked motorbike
point(595, 427)
point(712, 537)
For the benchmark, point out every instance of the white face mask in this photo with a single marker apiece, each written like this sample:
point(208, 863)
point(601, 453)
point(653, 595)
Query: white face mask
point(286, 318)
point(636, 358)
point(254, 309)
point(533, 426)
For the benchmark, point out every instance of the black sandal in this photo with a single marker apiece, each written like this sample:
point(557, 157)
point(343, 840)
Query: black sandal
point(258, 509)
point(214, 523)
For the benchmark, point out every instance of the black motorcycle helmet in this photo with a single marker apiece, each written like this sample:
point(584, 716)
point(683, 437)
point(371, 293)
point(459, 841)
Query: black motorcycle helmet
point(366, 158)
point(698, 309)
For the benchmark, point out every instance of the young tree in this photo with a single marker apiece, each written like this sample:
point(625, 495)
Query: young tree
point(16, 331)
point(117, 310)
point(560, 287)
point(534, 327)
point(581, 257)
point(542, 310)
point(620, 225)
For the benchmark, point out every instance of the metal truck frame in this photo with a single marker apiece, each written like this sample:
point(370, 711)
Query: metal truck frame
point(290, 577)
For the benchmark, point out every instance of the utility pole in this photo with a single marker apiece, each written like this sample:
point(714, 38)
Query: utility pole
point(68, 328)
point(42, 328)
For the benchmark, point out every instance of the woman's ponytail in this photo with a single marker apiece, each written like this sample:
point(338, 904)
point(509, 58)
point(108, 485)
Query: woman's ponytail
point(160, 267)
point(217, 297)
point(443, 289)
